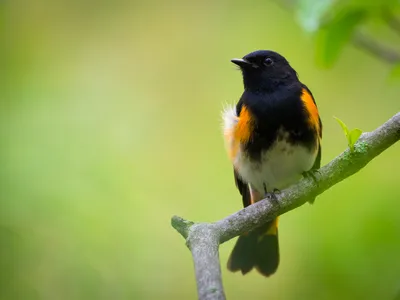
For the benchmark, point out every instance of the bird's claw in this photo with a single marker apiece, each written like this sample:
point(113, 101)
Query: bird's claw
point(311, 174)
point(276, 191)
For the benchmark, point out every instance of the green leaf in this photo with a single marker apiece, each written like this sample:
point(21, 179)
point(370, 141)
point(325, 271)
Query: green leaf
point(344, 127)
point(334, 35)
point(353, 137)
point(310, 13)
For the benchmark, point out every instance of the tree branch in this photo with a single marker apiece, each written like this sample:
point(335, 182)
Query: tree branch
point(363, 42)
point(392, 20)
point(375, 48)
point(203, 239)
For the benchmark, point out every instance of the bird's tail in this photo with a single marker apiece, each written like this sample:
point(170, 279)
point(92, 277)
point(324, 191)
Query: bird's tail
point(257, 249)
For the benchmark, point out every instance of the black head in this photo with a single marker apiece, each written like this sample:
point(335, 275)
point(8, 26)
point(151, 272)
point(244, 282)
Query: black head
point(265, 70)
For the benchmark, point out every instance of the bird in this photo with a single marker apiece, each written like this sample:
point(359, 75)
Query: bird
point(273, 139)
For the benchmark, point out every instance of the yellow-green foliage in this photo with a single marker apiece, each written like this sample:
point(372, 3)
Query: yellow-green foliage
point(351, 135)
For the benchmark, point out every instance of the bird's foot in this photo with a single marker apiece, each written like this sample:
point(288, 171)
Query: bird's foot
point(311, 174)
point(276, 191)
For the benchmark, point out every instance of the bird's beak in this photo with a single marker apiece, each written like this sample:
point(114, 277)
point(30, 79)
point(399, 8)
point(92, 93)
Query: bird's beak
point(242, 62)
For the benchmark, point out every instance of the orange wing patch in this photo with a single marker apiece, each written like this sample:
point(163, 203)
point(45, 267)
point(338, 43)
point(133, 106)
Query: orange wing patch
point(245, 126)
point(238, 130)
point(311, 107)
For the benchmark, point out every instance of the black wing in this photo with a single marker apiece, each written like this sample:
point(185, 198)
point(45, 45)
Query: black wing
point(316, 166)
point(317, 163)
point(243, 189)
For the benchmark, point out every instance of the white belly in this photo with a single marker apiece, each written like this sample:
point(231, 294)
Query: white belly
point(279, 167)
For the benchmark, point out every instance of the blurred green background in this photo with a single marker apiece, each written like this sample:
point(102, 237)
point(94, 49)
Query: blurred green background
point(110, 124)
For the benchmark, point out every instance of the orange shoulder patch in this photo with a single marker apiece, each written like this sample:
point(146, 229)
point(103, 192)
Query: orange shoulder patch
point(245, 126)
point(312, 110)
point(239, 133)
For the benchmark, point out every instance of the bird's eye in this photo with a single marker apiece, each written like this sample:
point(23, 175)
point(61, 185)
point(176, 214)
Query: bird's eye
point(268, 62)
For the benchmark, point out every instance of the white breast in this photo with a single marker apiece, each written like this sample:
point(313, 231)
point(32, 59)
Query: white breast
point(279, 167)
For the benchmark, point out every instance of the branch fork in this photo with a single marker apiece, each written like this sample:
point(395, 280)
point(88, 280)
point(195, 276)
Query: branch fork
point(203, 239)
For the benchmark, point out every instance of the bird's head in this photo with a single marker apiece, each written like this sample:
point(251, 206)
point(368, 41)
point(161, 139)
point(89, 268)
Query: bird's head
point(265, 70)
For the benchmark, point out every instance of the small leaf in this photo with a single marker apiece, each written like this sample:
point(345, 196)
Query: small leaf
point(336, 33)
point(344, 127)
point(353, 137)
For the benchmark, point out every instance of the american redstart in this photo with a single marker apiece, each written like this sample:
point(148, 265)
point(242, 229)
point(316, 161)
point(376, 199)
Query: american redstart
point(273, 136)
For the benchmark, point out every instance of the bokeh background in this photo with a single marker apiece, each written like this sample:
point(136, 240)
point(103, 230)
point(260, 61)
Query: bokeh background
point(110, 124)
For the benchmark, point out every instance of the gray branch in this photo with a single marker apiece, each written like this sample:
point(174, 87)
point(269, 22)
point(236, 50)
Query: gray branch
point(392, 20)
point(363, 42)
point(203, 239)
point(375, 48)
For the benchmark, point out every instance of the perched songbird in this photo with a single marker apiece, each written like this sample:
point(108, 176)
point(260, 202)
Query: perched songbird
point(273, 136)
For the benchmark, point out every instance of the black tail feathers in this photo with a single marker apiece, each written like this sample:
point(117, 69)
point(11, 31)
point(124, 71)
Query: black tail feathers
point(258, 249)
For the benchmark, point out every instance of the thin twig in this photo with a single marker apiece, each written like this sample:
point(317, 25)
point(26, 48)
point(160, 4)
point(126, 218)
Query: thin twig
point(203, 239)
point(361, 41)
point(392, 20)
point(377, 49)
